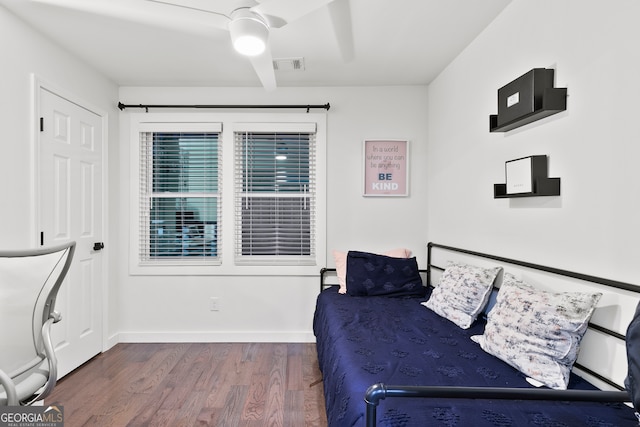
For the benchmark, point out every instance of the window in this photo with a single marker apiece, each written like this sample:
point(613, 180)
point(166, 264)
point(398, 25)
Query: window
point(227, 193)
point(275, 194)
point(179, 196)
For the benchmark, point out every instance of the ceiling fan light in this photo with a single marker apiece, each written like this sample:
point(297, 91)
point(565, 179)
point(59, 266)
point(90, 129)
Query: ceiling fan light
point(249, 35)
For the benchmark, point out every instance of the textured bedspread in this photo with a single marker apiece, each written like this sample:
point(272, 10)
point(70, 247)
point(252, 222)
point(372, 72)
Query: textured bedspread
point(366, 340)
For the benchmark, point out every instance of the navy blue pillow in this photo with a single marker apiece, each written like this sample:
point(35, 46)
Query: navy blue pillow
point(376, 275)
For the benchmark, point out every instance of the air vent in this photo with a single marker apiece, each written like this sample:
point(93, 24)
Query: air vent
point(288, 64)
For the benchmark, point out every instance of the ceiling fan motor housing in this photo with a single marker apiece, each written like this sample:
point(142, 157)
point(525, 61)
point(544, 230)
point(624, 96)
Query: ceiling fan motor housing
point(249, 32)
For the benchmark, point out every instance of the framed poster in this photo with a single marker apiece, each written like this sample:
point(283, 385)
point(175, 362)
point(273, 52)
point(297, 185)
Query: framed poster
point(386, 167)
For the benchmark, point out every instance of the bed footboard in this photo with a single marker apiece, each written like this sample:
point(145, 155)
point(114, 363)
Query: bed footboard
point(380, 391)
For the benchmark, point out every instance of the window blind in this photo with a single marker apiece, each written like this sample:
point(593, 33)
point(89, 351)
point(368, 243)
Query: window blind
point(179, 196)
point(275, 195)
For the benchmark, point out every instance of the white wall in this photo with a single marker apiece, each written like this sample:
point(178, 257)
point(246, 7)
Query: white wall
point(24, 53)
point(592, 146)
point(274, 308)
point(593, 226)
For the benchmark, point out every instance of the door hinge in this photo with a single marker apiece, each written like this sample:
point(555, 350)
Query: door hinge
point(41, 124)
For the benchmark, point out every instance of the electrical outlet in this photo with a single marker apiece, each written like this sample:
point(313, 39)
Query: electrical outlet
point(214, 304)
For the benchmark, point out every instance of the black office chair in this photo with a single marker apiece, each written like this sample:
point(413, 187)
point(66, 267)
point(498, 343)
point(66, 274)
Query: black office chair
point(29, 284)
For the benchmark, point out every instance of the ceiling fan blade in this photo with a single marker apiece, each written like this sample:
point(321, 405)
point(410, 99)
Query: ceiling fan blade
point(221, 19)
point(149, 12)
point(340, 12)
point(263, 65)
point(287, 10)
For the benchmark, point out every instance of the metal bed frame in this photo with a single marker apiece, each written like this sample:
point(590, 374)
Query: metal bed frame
point(380, 391)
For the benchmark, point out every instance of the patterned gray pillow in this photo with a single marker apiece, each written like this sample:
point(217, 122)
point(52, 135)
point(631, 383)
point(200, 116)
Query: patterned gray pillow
point(462, 293)
point(536, 331)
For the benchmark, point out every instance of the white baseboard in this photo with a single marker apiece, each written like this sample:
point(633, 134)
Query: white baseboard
point(166, 337)
point(111, 341)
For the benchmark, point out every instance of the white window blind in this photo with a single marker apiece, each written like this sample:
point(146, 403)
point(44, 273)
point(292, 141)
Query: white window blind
point(180, 207)
point(275, 194)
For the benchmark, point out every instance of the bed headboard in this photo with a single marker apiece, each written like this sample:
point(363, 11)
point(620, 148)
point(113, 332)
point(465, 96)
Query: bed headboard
point(602, 358)
point(329, 277)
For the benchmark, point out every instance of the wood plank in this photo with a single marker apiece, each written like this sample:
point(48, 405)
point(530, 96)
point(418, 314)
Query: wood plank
point(314, 409)
point(295, 373)
point(232, 409)
point(256, 398)
point(274, 414)
point(294, 408)
point(224, 376)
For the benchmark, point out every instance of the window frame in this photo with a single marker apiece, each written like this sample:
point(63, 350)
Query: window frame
point(226, 233)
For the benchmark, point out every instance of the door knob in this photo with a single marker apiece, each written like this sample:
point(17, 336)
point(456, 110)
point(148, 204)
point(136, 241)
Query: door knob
point(98, 246)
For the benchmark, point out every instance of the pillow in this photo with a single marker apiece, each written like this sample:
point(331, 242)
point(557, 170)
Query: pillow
point(538, 332)
point(377, 275)
point(462, 293)
point(340, 259)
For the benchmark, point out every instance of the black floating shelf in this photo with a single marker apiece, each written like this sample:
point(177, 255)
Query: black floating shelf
point(528, 98)
point(541, 187)
point(540, 184)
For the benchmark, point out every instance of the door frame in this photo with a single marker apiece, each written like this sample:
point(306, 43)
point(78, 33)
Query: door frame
point(37, 85)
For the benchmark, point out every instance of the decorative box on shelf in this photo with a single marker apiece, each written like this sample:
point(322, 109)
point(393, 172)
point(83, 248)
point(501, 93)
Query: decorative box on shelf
point(527, 177)
point(528, 98)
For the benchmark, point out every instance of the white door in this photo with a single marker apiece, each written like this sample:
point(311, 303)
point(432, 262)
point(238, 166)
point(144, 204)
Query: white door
point(70, 208)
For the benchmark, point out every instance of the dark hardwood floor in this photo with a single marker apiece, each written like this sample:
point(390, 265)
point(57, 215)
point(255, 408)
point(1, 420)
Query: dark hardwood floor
point(195, 384)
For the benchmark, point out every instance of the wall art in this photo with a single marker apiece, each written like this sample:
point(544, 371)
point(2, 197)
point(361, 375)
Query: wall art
point(386, 167)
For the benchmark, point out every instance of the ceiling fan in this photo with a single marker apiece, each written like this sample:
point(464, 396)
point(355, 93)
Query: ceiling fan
point(249, 21)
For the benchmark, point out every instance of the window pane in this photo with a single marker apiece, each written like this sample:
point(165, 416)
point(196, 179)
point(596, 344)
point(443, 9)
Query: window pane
point(185, 162)
point(276, 226)
point(275, 162)
point(182, 227)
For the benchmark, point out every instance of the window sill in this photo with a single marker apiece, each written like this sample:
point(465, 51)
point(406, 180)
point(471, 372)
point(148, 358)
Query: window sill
point(222, 270)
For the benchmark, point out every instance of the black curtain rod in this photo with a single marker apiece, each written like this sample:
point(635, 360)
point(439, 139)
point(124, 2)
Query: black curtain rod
point(122, 106)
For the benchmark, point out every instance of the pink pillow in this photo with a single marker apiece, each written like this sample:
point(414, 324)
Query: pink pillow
point(341, 264)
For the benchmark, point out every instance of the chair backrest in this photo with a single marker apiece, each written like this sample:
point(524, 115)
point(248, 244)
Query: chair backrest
point(29, 283)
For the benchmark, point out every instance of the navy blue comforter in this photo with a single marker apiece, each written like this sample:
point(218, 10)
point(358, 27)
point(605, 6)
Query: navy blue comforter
point(366, 340)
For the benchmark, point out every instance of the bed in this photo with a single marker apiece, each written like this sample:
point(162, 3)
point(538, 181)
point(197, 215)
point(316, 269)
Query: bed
point(391, 361)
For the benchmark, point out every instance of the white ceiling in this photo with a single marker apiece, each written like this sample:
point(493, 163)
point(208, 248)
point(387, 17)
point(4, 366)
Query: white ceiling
point(399, 42)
